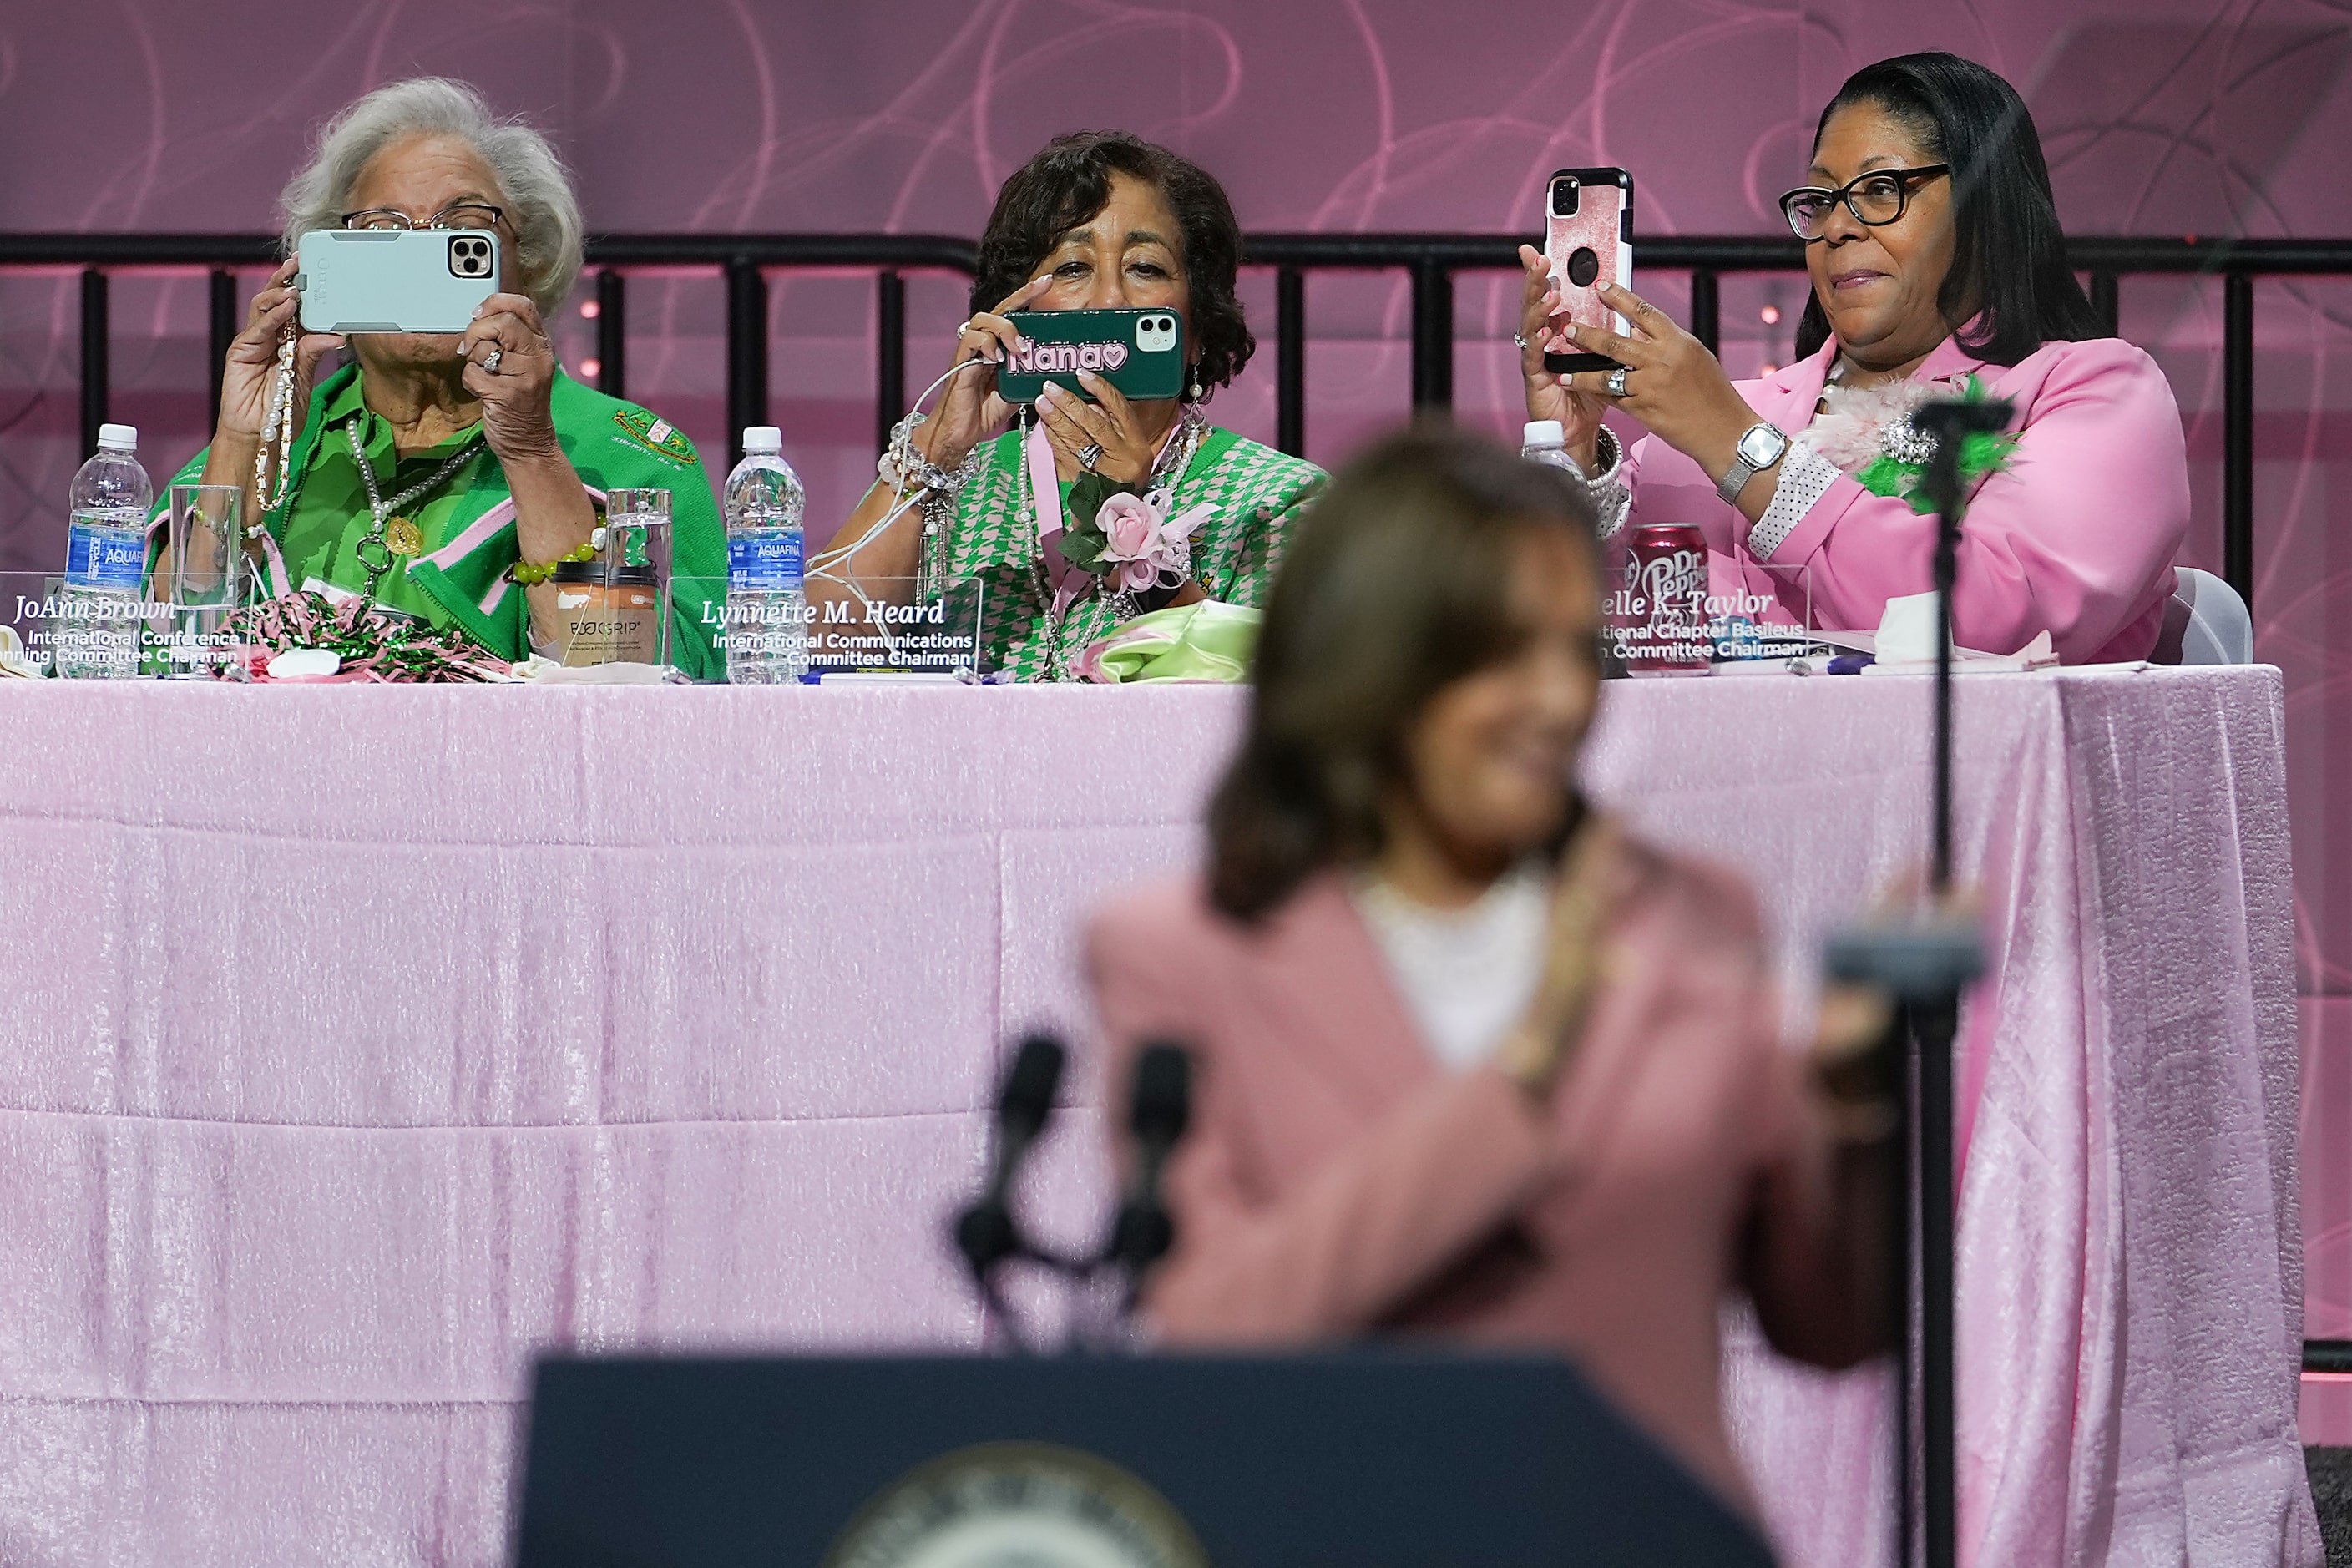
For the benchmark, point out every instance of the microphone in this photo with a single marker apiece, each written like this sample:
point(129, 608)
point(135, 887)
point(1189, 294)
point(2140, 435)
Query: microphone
point(1157, 1114)
point(1947, 423)
point(985, 1232)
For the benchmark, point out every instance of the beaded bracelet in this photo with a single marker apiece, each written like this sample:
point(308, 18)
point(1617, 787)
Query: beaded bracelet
point(901, 467)
point(531, 577)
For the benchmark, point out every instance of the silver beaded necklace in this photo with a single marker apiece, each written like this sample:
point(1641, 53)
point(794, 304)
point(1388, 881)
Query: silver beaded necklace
point(397, 538)
point(1175, 456)
point(394, 537)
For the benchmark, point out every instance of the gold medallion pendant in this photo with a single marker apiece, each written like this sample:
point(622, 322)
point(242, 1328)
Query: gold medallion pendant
point(402, 537)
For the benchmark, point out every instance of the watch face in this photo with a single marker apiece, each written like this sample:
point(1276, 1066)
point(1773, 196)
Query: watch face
point(1018, 1505)
point(1761, 445)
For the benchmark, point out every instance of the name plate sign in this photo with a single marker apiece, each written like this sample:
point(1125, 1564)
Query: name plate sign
point(1662, 616)
point(51, 627)
point(891, 625)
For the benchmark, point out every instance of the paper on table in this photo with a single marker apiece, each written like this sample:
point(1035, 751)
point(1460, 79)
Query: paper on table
point(545, 671)
point(1906, 642)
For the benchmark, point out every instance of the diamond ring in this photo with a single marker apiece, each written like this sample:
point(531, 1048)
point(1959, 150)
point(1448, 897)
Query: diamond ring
point(1520, 338)
point(1616, 381)
point(1089, 454)
point(491, 360)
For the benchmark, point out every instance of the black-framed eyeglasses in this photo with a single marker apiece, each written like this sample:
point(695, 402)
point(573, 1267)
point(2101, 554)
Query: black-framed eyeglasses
point(1875, 199)
point(457, 214)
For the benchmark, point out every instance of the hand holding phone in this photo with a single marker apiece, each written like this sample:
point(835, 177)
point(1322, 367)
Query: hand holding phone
point(251, 364)
point(1550, 394)
point(969, 410)
point(1589, 240)
point(1139, 351)
point(510, 366)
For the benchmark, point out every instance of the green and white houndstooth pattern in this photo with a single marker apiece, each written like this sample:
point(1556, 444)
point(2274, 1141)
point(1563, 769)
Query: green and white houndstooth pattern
point(1257, 492)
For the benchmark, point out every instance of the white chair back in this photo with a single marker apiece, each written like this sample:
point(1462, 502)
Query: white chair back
point(2220, 628)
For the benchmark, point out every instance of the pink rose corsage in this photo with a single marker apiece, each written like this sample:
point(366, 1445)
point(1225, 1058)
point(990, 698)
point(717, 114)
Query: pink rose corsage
point(1142, 545)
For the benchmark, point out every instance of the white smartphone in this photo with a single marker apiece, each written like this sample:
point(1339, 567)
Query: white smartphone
point(394, 280)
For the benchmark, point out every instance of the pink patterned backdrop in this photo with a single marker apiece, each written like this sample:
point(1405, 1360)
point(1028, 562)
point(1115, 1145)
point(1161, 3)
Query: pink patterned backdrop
point(2163, 116)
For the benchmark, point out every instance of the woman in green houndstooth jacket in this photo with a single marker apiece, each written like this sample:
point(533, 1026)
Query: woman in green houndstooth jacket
point(1097, 220)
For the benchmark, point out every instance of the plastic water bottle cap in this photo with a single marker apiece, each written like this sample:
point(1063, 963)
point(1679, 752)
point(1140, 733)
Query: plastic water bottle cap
point(118, 438)
point(764, 439)
point(1544, 433)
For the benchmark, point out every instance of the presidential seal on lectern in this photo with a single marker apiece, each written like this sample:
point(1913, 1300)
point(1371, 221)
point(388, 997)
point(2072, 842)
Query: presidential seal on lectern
point(1038, 1504)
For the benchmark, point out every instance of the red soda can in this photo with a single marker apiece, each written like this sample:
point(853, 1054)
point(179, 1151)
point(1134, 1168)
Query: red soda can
point(1659, 615)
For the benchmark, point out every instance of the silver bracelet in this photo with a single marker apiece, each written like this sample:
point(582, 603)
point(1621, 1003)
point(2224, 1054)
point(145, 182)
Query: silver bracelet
point(1805, 477)
point(897, 463)
point(948, 481)
point(916, 474)
point(1607, 453)
point(1612, 501)
point(901, 468)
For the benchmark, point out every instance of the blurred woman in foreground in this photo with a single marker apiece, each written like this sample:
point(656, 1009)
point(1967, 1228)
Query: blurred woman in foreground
point(1474, 1061)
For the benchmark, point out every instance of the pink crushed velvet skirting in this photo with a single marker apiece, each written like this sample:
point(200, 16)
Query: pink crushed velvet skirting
point(365, 1040)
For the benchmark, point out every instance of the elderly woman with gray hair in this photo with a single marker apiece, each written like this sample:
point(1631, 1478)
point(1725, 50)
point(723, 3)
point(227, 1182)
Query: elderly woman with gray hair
point(444, 476)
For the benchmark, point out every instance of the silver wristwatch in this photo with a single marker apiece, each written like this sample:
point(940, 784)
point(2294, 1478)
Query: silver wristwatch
point(1760, 447)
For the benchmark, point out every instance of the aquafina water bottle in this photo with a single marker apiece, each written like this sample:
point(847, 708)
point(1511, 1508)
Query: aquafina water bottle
point(766, 630)
point(98, 626)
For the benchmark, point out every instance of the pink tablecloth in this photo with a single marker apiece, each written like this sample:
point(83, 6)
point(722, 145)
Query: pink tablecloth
point(365, 1040)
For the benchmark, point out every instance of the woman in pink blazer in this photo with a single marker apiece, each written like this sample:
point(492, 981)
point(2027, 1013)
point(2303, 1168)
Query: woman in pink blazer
point(1472, 1062)
point(1937, 270)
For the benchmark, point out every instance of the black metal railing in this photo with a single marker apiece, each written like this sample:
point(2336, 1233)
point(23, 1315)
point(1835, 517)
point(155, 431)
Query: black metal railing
point(1430, 261)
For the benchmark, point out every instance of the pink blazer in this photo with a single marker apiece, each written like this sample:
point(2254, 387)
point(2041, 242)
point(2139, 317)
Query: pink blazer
point(1338, 1181)
point(2076, 538)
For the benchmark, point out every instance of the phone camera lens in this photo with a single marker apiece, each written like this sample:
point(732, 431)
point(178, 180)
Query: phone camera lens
point(1563, 198)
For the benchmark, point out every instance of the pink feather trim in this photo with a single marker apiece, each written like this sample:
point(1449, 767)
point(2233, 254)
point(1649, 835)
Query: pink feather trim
point(1847, 430)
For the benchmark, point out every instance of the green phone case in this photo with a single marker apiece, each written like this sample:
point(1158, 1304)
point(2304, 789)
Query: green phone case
point(395, 281)
point(1139, 351)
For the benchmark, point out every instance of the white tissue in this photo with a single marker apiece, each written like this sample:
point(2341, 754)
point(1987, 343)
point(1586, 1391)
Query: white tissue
point(298, 662)
point(1907, 632)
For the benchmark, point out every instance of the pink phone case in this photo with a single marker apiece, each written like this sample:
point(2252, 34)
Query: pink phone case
point(1588, 247)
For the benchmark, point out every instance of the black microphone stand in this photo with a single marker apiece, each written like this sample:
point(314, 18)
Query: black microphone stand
point(1162, 1108)
point(986, 1232)
point(989, 1234)
point(1924, 961)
